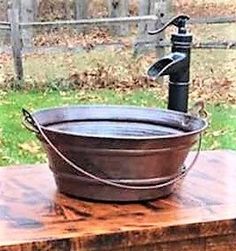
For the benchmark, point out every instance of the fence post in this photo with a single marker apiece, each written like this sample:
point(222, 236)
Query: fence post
point(27, 14)
point(119, 8)
point(67, 9)
point(81, 9)
point(14, 17)
point(146, 7)
point(162, 9)
point(3, 17)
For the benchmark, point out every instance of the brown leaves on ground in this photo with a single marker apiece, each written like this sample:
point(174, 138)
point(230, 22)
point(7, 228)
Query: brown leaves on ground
point(214, 90)
point(30, 147)
point(122, 73)
point(205, 8)
point(124, 77)
point(214, 135)
point(70, 38)
point(49, 10)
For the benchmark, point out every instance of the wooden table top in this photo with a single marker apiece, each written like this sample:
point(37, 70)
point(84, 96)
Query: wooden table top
point(34, 216)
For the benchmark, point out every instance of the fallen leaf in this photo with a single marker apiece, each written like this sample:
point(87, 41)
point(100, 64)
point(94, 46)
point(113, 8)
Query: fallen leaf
point(30, 146)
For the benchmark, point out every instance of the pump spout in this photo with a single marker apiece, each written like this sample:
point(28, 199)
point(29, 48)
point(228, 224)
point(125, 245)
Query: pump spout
point(176, 66)
point(171, 64)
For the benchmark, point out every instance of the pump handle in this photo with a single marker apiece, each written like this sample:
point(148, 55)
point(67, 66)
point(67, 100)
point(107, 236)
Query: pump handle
point(178, 21)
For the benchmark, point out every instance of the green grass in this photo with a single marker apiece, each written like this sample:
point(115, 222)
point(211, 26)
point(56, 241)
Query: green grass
point(220, 134)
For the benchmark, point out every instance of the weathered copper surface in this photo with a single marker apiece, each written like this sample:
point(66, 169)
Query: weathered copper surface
point(199, 215)
point(128, 145)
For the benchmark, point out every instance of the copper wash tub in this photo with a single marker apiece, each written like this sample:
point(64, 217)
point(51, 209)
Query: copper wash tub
point(115, 153)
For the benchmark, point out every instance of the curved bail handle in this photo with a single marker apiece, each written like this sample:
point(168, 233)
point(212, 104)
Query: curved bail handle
point(178, 21)
point(29, 122)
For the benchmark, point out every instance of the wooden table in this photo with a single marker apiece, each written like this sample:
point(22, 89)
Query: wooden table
point(200, 215)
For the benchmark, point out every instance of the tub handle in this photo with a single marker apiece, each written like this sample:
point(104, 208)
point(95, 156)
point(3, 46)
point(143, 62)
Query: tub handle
point(29, 122)
point(35, 127)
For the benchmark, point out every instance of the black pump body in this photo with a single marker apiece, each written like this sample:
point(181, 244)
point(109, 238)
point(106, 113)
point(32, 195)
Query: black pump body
point(176, 64)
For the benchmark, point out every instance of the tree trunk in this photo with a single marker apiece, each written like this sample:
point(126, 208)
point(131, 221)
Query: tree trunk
point(119, 8)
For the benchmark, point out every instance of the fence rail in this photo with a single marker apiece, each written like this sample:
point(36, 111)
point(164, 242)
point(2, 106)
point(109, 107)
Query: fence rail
point(110, 21)
point(94, 21)
point(196, 45)
point(5, 27)
point(213, 20)
point(5, 23)
point(19, 29)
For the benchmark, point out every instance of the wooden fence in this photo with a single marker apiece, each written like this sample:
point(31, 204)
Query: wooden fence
point(152, 14)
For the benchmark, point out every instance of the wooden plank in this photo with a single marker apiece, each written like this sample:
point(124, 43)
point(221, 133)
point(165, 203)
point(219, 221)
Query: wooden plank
point(67, 7)
point(116, 9)
point(27, 14)
point(5, 23)
point(3, 18)
point(213, 20)
point(149, 45)
point(200, 213)
point(144, 9)
point(4, 27)
point(160, 8)
point(219, 243)
point(132, 19)
point(94, 21)
point(124, 12)
point(186, 245)
point(81, 9)
point(222, 243)
point(3, 9)
point(198, 45)
point(160, 11)
point(16, 42)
